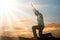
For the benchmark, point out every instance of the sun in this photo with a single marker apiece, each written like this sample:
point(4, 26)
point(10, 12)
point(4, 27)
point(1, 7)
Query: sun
point(9, 19)
point(8, 16)
point(6, 4)
point(6, 7)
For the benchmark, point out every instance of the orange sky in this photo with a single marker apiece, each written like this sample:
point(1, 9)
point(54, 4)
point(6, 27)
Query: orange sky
point(23, 32)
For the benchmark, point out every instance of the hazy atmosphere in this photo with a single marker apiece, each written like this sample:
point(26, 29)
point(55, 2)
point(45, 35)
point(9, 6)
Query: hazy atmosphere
point(17, 17)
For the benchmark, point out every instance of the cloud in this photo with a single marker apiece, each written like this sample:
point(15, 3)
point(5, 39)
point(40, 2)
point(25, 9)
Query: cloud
point(28, 6)
point(27, 34)
point(41, 5)
point(27, 21)
point(48, 20)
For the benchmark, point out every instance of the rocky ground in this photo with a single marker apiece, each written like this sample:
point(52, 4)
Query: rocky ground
point(45, 37)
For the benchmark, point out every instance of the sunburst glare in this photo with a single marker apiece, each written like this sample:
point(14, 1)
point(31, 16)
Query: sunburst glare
point(8, 17)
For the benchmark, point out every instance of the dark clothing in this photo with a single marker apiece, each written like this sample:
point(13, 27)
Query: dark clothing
point(40, 29)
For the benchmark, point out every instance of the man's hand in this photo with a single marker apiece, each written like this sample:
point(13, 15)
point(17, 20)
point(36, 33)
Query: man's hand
point(34, 10)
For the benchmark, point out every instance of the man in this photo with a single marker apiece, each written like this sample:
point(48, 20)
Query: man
point(40, 22)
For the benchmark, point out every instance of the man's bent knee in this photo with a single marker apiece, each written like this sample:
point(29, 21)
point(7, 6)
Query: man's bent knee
point(34, 27)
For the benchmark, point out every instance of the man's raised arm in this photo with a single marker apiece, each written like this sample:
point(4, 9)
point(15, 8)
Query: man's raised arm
point(35, 11)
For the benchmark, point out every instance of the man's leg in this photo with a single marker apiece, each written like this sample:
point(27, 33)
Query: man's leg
point(34, 32)
point(40, 31)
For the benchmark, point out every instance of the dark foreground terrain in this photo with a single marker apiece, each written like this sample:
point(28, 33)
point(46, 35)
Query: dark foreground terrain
point(22, 38)
point(44, 37)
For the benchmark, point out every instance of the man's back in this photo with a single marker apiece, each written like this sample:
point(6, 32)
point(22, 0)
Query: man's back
point(40, 19)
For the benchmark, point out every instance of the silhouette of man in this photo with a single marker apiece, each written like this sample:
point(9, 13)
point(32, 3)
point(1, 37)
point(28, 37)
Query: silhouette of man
point(40, 22)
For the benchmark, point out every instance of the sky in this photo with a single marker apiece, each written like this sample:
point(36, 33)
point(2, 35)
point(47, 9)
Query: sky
point(19, 14)
point(52, 10)
point(49, 8)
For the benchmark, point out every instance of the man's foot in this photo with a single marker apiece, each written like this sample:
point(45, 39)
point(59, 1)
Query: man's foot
point(35, 38)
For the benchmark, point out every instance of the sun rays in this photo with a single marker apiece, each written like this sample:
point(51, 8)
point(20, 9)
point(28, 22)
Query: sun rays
point(9, 19)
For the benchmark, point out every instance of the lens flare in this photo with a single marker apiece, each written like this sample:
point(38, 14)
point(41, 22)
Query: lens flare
point(8, 17)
